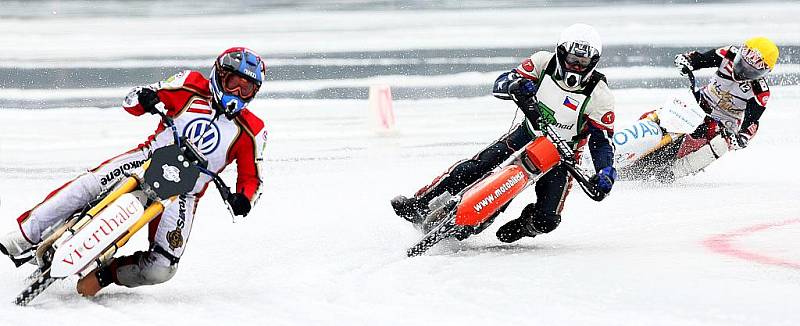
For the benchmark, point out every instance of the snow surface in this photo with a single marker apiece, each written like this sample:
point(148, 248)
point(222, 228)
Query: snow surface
point(323, 247)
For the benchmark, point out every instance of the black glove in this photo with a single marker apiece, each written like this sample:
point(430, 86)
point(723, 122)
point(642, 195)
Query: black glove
point(239, 203)
point(683, 63)
point(741, 140)
point(148, 99)
point(522, 89)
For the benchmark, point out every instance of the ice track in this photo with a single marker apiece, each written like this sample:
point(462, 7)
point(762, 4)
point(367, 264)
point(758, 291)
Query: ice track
point(323, 247)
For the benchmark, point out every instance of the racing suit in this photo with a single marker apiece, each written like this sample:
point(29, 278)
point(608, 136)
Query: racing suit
point(575, 114)
point(186, 97)
point(734, 108)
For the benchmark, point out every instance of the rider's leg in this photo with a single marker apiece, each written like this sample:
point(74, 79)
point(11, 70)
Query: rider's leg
point(168, 236)
point(67, 199)
point(544, 215)
point(463, 173)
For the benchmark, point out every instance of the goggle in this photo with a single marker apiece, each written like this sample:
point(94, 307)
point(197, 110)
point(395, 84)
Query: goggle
point(576, 63)
point(748, 65)
point(235, 84)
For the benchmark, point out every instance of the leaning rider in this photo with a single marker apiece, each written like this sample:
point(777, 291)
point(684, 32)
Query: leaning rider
point(211, 113)
point(574, 99)
point(734, 100)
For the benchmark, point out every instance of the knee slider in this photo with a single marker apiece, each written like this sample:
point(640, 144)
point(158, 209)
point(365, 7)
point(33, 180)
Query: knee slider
point(143, 268)
point(156, 274)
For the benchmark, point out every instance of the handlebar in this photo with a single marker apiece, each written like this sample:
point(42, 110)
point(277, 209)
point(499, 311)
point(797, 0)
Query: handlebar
point(692, 84)
point(224, 190)
point(566, 153)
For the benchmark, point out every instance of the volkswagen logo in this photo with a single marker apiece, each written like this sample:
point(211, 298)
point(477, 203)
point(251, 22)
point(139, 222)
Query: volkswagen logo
point(203, 133)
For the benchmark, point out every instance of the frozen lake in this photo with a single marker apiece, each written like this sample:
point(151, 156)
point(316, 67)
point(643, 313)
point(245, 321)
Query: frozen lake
point(323, 246)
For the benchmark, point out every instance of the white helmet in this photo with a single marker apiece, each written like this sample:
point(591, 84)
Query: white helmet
point(577, 53)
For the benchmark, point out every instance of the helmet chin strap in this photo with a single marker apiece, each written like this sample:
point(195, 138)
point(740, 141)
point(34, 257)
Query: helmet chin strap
point(218, 110)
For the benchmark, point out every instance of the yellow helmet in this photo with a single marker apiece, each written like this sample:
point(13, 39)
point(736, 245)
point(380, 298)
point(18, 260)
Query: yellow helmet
point(756, 57)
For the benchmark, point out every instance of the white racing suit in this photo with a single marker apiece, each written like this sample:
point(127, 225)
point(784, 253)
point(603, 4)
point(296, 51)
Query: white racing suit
point(186, 97)
point(734, 108)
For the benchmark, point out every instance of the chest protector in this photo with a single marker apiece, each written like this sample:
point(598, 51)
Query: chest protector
point(725, 99)
point(563, 109)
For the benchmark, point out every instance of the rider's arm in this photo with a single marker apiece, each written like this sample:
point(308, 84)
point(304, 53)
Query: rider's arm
point(530, 69)
point(752, 114)
point(247, 151)
point(600, 114)
point(173, 92)
point(753, 111)
point(600, 146)
point(500, 88)
point(708, 59)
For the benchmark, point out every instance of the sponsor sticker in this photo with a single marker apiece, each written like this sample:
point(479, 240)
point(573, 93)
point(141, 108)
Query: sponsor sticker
point(171, 173)
point(175, 238)
point(527, 65)
point(204, 134)
point(608, 118)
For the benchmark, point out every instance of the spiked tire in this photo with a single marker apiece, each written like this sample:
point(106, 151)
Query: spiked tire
point(38, 285)
point(445, 229)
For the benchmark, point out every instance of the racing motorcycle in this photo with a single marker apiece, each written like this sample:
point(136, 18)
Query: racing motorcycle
point(647, 147)
point(91, 236)
point(474, 208)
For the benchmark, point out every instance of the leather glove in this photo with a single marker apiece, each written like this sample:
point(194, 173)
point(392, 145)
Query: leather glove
point(683, 63)
point(149, 99)
point(741, 140)
point(239, 203)
point(522, 89)
point(604, 179)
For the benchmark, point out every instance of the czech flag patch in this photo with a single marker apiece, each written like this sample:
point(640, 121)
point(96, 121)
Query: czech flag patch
point(571, 103)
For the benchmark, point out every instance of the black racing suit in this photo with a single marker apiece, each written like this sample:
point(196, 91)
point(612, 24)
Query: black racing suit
point(551, 189)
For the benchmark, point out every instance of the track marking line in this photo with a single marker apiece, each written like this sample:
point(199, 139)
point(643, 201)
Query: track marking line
point(722, 244)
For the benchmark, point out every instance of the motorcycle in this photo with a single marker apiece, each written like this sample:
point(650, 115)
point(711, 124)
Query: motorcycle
point(645, 148)
point(474, 208)
point(91, 236)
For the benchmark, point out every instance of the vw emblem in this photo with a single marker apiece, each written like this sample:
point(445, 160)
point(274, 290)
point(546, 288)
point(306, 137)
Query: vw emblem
point(203, 133)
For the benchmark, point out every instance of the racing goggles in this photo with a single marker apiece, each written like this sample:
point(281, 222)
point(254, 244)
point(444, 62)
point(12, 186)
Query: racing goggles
point(749, 65)
point(234, 83)
point(577, 63)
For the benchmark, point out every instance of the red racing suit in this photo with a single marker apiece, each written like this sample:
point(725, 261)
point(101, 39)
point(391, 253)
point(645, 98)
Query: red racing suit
point(186, 97)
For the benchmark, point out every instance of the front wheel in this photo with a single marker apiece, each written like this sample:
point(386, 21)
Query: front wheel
point(39, 284)
point(446, 228)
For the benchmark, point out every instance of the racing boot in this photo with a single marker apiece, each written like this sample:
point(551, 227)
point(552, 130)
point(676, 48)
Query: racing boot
point(16, 247)
point(90, 284)
point(411, 209)
point(518, 228)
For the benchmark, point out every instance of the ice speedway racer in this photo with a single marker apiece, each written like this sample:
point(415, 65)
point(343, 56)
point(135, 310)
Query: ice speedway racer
point(647, 148)
point(91, 236)
point(664, 146)
point(474, 208)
